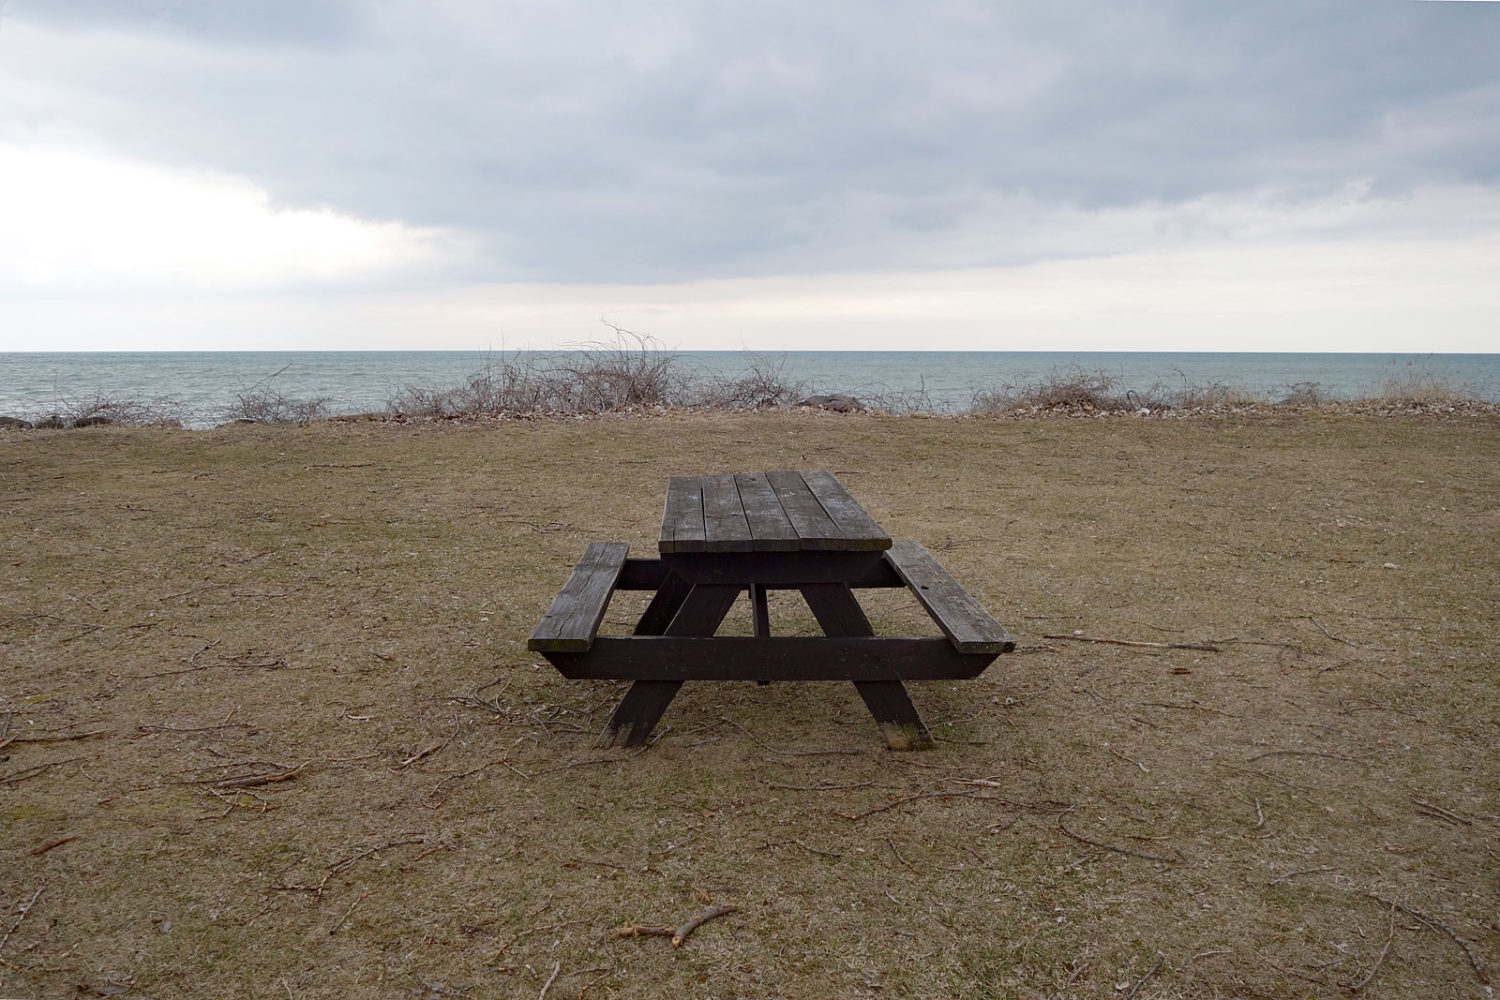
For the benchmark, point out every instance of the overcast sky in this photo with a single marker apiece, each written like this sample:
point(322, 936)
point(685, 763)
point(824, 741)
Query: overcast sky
point(840, 174)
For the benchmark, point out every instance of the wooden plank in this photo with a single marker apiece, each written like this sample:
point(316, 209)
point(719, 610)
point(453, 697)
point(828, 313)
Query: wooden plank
point(967, 625)
point(573, 619)
point(725, 526)
point(775, 569)
point(836, 610)
point(760, 611)
point(778, 658)
point(650, 574)
point(665, 604)
point(770, 527)
point(682, 528)
point(815, 529)
point(858, 528)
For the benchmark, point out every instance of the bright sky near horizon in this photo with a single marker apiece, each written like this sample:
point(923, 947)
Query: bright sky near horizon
point(852, 174)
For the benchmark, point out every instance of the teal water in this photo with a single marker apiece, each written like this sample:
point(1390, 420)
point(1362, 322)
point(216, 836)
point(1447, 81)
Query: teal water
point(205, 383)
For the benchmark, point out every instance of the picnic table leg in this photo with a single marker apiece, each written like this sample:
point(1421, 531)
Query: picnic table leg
point(665, 604)
point(760, 610)
point(760, 613)
point(839, 614)
point(702, 610)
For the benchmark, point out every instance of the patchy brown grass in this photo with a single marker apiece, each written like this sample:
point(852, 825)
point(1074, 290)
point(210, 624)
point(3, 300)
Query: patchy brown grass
point(270, 728)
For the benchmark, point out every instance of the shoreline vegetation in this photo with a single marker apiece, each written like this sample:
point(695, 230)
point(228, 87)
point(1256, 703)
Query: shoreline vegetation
point(633, 375)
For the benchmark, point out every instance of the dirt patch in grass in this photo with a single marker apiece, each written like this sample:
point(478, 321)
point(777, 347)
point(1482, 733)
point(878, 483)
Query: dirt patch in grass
point(268, 726)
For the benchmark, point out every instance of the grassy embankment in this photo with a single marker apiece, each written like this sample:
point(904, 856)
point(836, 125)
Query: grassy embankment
point(268, 726)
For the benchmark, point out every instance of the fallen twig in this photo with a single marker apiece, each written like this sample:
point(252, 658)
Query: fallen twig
point(339, 866)
point(1142, 981)
point(910, 798)
point(59, 739)
point(1430, 922)
point(1438, 812)
point(1304, 871)
point(242, 664)
point(428, 751)
point(890, 838)
point(16, 777)
point(1201, 646)
point(24, 911)
point(1306, 753)
point(677, 934)
point(1118, 850)
point(712, 913)
point(1379, 959)
point(49, 845)
point(1256, 642)
point(1115, 753)
point(556, 968)
point(350, 912)
point(817, 788)
point(789, 753)
point(256, 780)
point(1328, 633)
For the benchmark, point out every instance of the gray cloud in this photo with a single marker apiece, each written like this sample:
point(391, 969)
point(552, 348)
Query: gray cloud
point(582, 142)
point(255, 22)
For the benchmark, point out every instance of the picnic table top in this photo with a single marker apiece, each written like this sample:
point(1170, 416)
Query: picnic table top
point(782, 511)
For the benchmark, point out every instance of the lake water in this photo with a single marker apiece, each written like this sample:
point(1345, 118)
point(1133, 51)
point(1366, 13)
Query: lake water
point(204, 384)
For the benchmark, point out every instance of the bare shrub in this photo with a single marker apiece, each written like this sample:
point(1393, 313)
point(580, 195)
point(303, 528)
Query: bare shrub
point(890, 400)
point(1303, 394)
point(112, 409)
point(510, 385)
point(762, 384)
point(1072, 389)
point(1192, 395)
point(263, 403)
point(630, 372)
point(1419, 388)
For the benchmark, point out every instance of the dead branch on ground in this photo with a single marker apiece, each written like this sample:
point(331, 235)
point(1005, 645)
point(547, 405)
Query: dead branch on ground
point(789, 753)
point(1119, 850)
point(339, 866)
point(1438, 812)
point(556, 968)
point(1142, 981)
point(16, 777)
point(49, 845)
point(428, 751)
point(1201, 646)
point(1436, 925)
point(256, 780)
point(68, 738)
point(24, 911)
point(1379, 959)
point(910, 798)
point(677, 934)
point(350, 912)
point(1306, 753)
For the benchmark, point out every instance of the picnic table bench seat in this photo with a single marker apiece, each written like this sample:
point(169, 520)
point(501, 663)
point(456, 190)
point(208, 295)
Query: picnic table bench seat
point(968, 626)
point(570, 624)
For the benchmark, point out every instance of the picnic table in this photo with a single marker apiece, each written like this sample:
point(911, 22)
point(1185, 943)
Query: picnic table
point(724, 535)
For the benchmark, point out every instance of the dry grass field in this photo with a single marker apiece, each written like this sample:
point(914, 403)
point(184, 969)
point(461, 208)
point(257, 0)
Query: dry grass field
point(269, 728)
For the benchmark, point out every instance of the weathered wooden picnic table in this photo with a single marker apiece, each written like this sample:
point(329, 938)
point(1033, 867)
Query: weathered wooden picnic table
point(724, 535)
